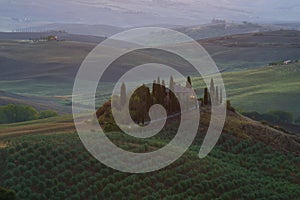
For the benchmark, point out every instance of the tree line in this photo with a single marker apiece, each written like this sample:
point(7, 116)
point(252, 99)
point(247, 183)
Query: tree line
point(143, 98)
point(276, 116)
point(12, 113)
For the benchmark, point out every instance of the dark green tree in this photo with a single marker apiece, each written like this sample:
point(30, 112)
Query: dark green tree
point(17, 113)
point(229, 107)
point(47, 113)
point(217, 95)
point(154, 91)
point(173, 104)
point(206, 97)
point(297, 120)
point(171, 85)
point(123, 95)
point(221, 96)
point(212, 88)
point(139, 104)
point(6, 194)
point(281, 116)
point(189, 82)
point(159, 92)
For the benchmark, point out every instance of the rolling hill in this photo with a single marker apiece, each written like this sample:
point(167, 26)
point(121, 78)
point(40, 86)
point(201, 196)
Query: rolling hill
point(52, 74)
point(38, 102)
point(223, 28)
point(62, 36)
point(250, 161)
point(245, 51)
point(210, 30)
point(265, 89)
point(79, 29)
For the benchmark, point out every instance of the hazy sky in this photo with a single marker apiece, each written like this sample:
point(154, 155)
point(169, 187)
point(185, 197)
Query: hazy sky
point(145, 12)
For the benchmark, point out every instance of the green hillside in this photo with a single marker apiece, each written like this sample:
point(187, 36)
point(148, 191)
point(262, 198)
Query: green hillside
point(265, 89)
point(58, 167)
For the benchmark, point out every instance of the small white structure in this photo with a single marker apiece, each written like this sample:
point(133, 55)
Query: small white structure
point(184, 93)
point(287, 62)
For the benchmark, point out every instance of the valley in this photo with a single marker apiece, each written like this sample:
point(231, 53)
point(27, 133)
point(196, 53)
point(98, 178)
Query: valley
point(252, 160)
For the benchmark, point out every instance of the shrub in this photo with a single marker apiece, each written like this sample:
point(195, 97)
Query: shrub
point(17, 113)
point(229, 107)
point(6, 194)
point(111, 127)
point(281, 116)
point(297, 120)
point(271, 117)
point(47, 113)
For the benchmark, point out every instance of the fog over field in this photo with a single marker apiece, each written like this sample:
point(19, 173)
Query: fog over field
point(20, 13)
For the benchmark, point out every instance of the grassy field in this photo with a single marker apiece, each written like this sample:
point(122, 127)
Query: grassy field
point(49, 68)
point(263, 89)
point(254, 50)
point(46, 69)
point(60, 124)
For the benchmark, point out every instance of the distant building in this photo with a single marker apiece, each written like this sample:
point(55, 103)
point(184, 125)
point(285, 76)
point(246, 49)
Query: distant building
point(287, 62)
point(218, 21)
point(53, 38)
point(184, 93)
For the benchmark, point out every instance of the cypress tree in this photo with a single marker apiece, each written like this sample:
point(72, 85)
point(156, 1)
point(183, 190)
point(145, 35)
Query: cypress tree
point(228, 105)
point(202, 103)
point(154, 91)
point(212, 88)
point(159, 93)
point(148, 99)
point(171, 85)
point(205, 98)
point(140, 104)
point(163, 92)
point(188, 82)
point(171, 96)
point(123, 95)
point(221, 96)
point(217, 95)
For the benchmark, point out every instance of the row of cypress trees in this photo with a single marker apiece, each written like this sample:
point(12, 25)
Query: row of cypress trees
point(142, 99)
point(213, 96)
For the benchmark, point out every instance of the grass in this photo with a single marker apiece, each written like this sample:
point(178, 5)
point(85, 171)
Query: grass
point(265, 89)
point(262, 89)
point(247, 51)
point(48, 69)
point(60, 124)
point(37, 88)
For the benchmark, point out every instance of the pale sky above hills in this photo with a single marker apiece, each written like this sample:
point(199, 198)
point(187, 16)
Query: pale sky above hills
point(146, 12)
